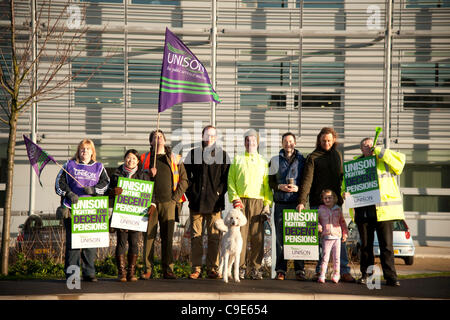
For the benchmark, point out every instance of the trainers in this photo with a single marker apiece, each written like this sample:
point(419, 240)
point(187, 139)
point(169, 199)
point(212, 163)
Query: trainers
point(195, 275)
point(321, 279)
point(336, 278)
point(241, 274)
point(362, 280)
point(280, 276)
point(300, 275)
point(392, 283)
point(256, 275)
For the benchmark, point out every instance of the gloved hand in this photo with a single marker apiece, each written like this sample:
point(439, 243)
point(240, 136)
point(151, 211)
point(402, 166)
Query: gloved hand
point(238, 204)
point(117, 191)
point(72, 197)
point(89, 190)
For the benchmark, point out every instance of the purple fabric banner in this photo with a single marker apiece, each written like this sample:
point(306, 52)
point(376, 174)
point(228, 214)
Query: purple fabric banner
point(38, 157)
point(183, 76)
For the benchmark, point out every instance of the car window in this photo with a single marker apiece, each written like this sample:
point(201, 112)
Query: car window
point(51, 223)
point(399, 225)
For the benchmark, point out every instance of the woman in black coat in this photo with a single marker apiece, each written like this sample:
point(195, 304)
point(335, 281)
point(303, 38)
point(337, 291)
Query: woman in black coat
point(129, 169)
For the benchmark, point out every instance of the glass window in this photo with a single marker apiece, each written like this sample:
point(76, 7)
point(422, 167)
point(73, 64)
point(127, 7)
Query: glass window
point(263, 99)
point(329, 74)
point(144, 71)
point(163, 2)
point(105, 69)
point(263, 73)
point(322, 100)
point(426, 176)
point(143, 98)
point(103, 1)
point(265, 3)
point(321, 4)
point(418, 80)
point(425, 75)
point(427, 4)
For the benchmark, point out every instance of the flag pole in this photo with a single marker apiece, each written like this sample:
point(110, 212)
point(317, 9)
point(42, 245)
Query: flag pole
point(68, 173)
point(156, 135)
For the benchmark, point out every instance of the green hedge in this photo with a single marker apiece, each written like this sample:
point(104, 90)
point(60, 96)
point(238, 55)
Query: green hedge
point(107, 268)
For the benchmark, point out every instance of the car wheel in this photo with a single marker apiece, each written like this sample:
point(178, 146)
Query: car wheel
point(409, 260)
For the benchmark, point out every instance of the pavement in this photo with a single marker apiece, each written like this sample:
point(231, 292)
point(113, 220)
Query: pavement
point(432, 252)
point(437, 287)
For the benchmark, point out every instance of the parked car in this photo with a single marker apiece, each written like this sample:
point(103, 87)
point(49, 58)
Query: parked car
point(402, 242)
point(41, 236)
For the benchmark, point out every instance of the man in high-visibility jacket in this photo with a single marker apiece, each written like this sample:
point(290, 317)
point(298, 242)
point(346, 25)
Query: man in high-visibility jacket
point(249, 190)
point(380, 217)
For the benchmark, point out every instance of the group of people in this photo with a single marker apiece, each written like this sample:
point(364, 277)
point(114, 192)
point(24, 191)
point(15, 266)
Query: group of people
point(207, 174)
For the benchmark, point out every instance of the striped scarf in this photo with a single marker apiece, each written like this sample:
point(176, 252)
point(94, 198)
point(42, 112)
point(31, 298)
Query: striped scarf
point(129, 172)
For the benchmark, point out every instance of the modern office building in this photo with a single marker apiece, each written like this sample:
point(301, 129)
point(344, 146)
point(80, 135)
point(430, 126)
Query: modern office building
point(277, 65)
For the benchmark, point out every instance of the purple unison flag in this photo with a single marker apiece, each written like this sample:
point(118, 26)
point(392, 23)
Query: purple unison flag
point(38, 157)
point(183, 76)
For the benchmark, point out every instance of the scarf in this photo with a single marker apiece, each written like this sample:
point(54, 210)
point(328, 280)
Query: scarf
point(129, 172)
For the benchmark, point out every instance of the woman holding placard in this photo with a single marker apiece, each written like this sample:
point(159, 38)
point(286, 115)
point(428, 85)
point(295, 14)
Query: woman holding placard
point(81, 176)
point(131, 169)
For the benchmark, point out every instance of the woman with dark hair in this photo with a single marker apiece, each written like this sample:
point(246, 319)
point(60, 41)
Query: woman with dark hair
point(170, 178)
point(131, 169)
point(323, 170)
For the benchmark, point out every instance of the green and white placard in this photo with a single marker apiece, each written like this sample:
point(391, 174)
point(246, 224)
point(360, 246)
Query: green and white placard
point(300, 235)
point(361, 181)
point(90, 223)
point(131, 207)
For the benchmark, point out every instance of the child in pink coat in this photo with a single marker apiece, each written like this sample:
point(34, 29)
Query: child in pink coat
point(333, 228)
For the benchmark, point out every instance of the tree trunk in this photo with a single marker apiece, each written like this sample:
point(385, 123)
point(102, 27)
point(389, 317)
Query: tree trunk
point(9, 192)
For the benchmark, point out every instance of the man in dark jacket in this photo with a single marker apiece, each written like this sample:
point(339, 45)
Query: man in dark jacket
point(207, 171)
point(287, 169)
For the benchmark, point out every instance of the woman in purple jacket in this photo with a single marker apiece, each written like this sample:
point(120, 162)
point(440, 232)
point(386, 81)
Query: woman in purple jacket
point(94, 179)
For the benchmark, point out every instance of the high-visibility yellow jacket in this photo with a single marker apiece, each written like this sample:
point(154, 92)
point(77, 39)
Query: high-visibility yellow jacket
point(389, 165)
point(248, 177)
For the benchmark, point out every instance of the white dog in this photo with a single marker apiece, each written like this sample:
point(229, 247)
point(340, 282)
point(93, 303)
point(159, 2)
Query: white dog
point(231, 243)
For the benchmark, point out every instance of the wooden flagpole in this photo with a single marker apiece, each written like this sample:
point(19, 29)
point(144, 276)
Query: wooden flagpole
point(69, 174)
point(156, 135)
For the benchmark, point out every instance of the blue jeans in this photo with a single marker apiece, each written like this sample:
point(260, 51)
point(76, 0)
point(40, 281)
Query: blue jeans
point(344, 258)
point(76, 256)
point(281, 264)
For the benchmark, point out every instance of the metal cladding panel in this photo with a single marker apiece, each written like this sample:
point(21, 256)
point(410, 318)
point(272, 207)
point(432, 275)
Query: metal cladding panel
point(272, 56)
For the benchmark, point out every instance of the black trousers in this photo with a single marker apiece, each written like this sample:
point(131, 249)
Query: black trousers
point(123, 237)
point(367, 223)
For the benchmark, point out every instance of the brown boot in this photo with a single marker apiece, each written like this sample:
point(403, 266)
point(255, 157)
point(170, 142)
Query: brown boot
point(122, 277)
point(132, 267)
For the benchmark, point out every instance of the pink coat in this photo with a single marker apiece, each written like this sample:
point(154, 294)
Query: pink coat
point(332, 224)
